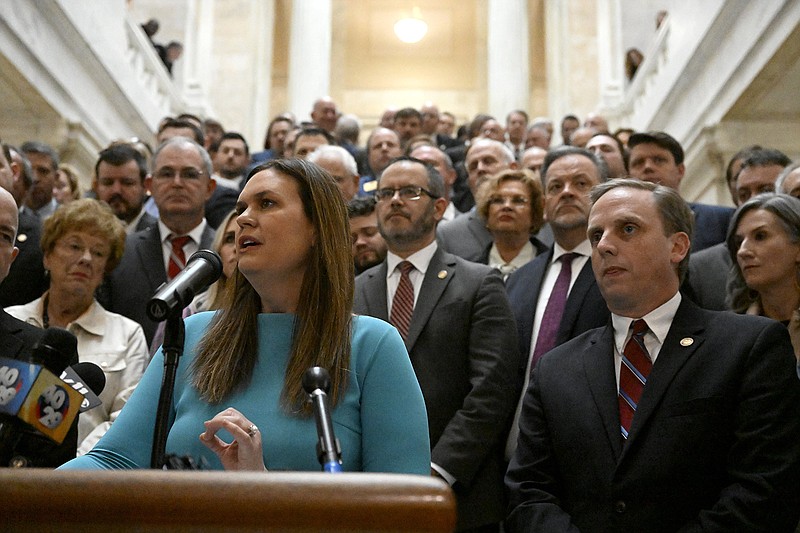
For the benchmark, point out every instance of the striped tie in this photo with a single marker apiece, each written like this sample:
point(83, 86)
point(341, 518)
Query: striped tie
point(403, 301)
point(177, 259)
point(633, 374)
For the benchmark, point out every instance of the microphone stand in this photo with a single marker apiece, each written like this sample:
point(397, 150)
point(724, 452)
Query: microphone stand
point(174, 334)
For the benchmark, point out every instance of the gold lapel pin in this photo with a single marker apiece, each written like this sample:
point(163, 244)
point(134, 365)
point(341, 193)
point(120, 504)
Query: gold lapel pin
point(442, 274)
point(687, 341)
point(22, 237)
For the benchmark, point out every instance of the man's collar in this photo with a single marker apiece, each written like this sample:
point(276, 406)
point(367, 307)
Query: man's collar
point(420, 259)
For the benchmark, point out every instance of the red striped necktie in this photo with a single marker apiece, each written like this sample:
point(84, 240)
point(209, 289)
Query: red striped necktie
point(403, 301)
point(177, 258)
point(633, 373)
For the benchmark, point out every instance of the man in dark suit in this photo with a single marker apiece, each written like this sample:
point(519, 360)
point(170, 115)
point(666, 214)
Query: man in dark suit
point(669, 418)
point(549, 313)
point(119, 176)
point(25, 281)
point(17, 340)
point(180, 183)
point(658, 158)
point(457, 325)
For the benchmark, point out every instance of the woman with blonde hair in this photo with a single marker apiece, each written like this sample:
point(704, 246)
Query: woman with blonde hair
point(512, 205)
point(287, 307)
point(82, 241)
point(66, 187)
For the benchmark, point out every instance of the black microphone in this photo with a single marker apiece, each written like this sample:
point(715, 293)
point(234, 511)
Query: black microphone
point(317, 383)
point(88, 379)
point(34, 402)
point(55, 350)
point(203, 268)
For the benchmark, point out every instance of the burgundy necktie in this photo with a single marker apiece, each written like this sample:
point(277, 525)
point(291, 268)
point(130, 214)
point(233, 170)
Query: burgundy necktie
point(633, 372)
point(403, 301)
point(551, 319)
point(177, 259)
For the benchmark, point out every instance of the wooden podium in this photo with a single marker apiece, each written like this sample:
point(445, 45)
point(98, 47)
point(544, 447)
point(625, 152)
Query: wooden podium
point(181, 501)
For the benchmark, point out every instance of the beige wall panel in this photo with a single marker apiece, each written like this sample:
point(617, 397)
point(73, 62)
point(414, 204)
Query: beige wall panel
point(584, 91)
point(537, 102)
point(376, 70)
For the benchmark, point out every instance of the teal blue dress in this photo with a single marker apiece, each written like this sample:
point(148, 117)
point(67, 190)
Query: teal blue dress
point(381, 421)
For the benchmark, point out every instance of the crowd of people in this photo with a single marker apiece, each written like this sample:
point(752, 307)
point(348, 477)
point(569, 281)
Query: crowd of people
point(550, 329)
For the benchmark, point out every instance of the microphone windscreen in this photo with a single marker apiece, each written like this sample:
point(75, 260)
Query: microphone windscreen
point(56, 350)
point(315, 378)
point(91, 375)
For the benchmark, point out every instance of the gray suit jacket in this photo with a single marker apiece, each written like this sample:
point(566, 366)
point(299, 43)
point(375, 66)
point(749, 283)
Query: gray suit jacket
point(139, 274)
point(466, 236)
point(707, 282)
point(463, 346)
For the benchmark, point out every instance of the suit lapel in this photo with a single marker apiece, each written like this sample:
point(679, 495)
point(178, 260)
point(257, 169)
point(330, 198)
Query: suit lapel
point(207, 238)
point(10, 342)
point(575, 300)
point(151, 257)
point(440, 271)
point(675, 352)
point(598, 362)
point(374, 292)
point(531, 285)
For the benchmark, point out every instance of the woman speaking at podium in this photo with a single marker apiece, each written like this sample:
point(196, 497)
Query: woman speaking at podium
point(239, 402)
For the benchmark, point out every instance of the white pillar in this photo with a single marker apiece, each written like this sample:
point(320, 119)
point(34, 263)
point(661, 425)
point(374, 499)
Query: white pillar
point(507, 56)
point(309, 55)
point(558, 65)
point(264, 23)
point(610, 55)
point(198, 48)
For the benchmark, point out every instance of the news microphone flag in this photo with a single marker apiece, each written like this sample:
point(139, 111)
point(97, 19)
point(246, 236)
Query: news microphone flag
point(37, 397)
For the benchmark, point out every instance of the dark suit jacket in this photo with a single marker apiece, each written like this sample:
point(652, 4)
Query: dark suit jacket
point(17, 340)
point(585, 307)
point(465, 236)
point(714, 445)
point(445, 141)
point(462, 345)
point(26, 280)
point(707, 280)
point(147, 221)
point(138, 275)
point(222, 201)
point(710, 225)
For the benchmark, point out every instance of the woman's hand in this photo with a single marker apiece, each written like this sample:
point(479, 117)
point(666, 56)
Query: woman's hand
point(245, 452)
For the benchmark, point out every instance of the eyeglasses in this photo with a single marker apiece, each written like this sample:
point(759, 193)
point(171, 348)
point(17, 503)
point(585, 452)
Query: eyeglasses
point(74, 248)
point(186, 173)
point(406, 193)
point(516, 201)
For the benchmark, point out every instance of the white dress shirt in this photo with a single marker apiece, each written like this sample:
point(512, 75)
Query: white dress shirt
point(188, 249)
point(659, 320)
point(420, 259)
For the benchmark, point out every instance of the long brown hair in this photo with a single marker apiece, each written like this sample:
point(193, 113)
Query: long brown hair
point(229, 350)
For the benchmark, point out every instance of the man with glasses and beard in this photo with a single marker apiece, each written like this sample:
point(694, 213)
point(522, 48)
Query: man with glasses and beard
point(458, 328)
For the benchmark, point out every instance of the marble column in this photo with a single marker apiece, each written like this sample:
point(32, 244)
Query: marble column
point(309, 55)
point(507, 57)
point(610, 55)
point(263, 21)
point(559, 102)
point(192, 72)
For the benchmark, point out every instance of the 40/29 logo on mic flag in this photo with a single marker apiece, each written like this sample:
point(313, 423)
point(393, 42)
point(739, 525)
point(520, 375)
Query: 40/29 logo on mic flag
point(37, 397)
